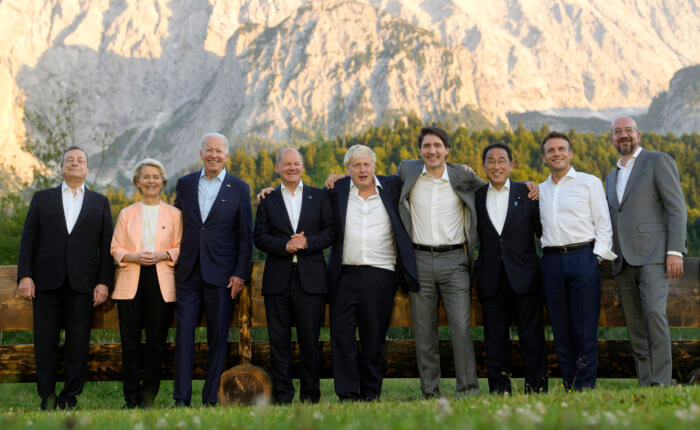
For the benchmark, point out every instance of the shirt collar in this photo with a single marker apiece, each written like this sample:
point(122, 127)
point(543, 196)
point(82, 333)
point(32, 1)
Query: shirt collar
point(220, 176)
point(356, 190)
point(571, 174)
point(506, 186)
point(64, 187)
point(444, 177)
point(300, 187)
point(633, 159)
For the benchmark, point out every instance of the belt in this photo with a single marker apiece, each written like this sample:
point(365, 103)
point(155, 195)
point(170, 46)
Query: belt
point(567, 248)
point(438, 249)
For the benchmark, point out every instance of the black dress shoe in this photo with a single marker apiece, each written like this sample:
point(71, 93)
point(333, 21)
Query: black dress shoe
point(67, 403)
point(48, 404)
point(348, 397)
point(181, 404)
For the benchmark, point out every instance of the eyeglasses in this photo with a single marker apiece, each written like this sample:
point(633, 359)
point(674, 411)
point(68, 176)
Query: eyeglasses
point(627, 130)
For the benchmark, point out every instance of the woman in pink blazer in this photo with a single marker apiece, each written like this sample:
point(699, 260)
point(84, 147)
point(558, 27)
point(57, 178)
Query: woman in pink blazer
point(145, 245)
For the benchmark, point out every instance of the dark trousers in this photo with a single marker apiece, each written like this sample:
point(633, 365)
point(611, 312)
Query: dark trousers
point(363, 299)
point(53, 310)
point(571, 284)
point(148, 311)
point(498, 311)
point(194, 295)
point(294, 307)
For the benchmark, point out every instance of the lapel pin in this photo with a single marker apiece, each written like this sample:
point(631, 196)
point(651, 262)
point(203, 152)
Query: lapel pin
point(310, 197)
point(228, 185)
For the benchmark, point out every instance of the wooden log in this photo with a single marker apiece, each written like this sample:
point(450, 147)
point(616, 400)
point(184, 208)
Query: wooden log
point(614, 360)
point(104, 364)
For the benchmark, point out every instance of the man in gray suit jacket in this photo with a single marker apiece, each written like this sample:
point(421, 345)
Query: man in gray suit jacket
point(437, 209)
point(649, 231)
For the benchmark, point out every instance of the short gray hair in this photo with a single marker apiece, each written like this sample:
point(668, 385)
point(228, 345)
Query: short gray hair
point(283, 150)
point(149, 162)
point(358, 150)
point(207, 136)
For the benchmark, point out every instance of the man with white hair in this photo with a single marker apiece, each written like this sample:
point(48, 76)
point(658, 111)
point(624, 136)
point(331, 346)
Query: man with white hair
point(371, 246)
point(215, 259)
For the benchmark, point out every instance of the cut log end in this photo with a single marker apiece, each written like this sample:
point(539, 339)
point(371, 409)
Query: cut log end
point(244, 385)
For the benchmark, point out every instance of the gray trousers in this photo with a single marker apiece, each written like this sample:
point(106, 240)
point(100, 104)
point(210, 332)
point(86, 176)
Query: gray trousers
point(443, 275)
point(644, 292)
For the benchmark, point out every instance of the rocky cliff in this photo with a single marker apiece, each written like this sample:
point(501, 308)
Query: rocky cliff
point(159, 73)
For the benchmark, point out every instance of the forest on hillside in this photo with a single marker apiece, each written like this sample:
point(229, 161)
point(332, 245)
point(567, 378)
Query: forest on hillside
point(593, 154)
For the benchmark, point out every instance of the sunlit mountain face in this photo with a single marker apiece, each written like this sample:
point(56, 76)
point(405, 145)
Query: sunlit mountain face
point(156, 74)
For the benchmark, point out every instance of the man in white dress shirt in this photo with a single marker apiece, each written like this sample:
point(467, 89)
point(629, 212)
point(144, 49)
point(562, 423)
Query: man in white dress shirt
point(649, 219)
point(437, 210)
point(370, 250)
point(65, 268)
point(576, 235)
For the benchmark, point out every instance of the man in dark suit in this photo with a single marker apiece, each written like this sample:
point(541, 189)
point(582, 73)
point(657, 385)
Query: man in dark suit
point(371, 248)
point(293, 225)
point(649, 219)
point(215, 259)
point(508, 273)
point(65, 268)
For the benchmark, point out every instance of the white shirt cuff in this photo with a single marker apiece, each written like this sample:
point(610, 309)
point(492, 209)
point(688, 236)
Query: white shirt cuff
point(676, 253)
point(605, 254)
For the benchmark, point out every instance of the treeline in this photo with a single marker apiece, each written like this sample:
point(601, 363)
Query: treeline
point(593, 153)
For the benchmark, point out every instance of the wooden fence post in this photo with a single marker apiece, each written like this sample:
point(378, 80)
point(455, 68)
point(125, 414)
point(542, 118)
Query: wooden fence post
point(245, 350)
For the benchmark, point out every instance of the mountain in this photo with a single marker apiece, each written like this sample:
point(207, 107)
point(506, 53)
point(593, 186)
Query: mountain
point(678, 109)
point(157, 74)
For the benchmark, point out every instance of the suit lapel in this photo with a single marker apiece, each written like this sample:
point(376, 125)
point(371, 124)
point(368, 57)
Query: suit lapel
point(61, 218)
point(481, 205)
point(306, 203)
point(88, 199)
point(637, 170)
point(611, 188)
point(343, 191)
point(278, 201)
point(513, 197)
point(387, 202)
point(410, 181)
point(195, 192)
point(161, 223)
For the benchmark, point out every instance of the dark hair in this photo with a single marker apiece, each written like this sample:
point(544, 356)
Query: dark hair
point(553, 135)
point(501, 145)
point(71, 148)
point(437, 131)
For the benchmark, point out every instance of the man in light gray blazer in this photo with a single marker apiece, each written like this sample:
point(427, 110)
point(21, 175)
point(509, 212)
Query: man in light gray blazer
point(649, 219)
point(437, 209)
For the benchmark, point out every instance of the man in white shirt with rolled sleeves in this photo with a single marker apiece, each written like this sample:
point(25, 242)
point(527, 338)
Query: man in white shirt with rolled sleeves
point(576, 235)
point(371, 249)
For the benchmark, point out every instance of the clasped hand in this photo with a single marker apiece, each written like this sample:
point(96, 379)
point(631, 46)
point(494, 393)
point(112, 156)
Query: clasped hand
point(146, 258)
point(297, 242)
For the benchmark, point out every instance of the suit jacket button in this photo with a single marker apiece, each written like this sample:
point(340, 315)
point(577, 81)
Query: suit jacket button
point(202, 228)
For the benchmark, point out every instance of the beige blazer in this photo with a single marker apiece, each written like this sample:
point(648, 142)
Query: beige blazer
point(127, 240)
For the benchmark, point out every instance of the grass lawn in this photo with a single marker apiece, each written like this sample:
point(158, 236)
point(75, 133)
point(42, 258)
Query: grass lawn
point(614, 404)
